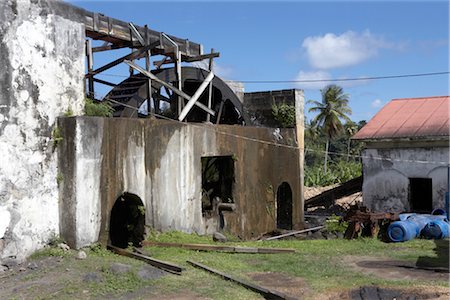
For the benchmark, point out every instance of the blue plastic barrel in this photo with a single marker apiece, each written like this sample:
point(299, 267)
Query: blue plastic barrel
point(419, 221)
point(401, 231)
point(439, 212)
point(436, 229)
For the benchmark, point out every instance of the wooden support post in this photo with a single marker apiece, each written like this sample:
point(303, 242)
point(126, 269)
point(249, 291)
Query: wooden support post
point(211, 62)
point(149, 80)
point(196, 96)
point(169, 86)
point(90, 64)
point(177, 58)
point(219, 115)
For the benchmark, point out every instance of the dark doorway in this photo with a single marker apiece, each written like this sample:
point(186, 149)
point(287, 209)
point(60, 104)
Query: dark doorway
point(420, 195)
point(217, 181)
point(284, 206)
point(127, 221)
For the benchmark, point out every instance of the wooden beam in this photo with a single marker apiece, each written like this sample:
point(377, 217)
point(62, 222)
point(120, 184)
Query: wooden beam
point(268, 294)
point(131, 56)
point(154, 262)
point(293, 233)
point(110, 47)
point(169, 86)
point(135, 33)
point(222, 248)
point(90, 66)
point(202, 57)
point(166, 61)
point(196, 96)
point(104, 82)
point(210, 90)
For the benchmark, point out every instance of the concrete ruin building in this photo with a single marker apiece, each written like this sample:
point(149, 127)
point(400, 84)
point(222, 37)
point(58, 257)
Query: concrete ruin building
point(202, 158)
point(406, 157)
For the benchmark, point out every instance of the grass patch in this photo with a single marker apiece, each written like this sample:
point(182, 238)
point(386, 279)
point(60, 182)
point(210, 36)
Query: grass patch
point(320, 263)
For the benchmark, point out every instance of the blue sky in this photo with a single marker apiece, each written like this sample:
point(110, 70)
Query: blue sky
point(300, 40)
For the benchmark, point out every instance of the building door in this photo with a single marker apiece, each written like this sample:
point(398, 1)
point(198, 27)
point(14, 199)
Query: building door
point(284, 206)
point(420, 195)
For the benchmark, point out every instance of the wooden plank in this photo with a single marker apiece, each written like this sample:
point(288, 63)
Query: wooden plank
point(131, 56)
point(268, 294)
point(210, 88)
point(104, 82)
point(196, 96)
point(169, 86)
point(110, 47)
point(202, 57)
point(293, 233)
point(169, 267)
point(222, 248)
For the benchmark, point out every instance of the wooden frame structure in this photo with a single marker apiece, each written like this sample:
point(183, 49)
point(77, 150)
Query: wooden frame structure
point(143, 43)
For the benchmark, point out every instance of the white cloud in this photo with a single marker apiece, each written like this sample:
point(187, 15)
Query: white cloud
point(314, 75)
point(377, 103)
point(224, 72)
point(350, 48)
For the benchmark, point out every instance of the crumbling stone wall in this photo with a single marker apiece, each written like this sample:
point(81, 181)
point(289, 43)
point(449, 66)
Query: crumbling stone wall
point(41, 78)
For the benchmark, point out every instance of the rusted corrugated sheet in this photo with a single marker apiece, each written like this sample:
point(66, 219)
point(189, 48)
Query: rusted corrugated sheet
point(409, 118)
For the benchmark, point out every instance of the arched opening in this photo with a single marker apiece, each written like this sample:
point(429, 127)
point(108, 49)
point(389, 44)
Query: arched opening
point(284, 206)
point(127, 221)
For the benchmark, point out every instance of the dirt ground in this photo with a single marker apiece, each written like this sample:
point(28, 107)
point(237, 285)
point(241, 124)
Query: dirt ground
point(52, 277)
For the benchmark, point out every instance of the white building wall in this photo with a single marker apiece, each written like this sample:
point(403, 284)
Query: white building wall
point(387, 172)
point(42, 63)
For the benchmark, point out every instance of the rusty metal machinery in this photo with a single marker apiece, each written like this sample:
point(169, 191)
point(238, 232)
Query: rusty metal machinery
point(132, 93)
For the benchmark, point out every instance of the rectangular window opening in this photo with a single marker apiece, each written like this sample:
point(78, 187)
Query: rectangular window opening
point(420, 195)
point(217, 181)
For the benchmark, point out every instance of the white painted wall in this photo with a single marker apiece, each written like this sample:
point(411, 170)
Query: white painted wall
point(47, 66)
point(386, 182)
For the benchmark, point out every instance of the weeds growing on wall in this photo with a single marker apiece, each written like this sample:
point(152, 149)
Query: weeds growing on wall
point(284, 114)
point(97, 109)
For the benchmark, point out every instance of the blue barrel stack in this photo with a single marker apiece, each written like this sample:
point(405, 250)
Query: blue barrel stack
point(411, 225)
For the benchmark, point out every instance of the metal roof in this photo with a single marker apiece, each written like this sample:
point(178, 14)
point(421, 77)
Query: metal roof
point(409, 118)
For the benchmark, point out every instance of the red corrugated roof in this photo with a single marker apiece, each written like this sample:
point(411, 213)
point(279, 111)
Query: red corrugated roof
point(409, 118)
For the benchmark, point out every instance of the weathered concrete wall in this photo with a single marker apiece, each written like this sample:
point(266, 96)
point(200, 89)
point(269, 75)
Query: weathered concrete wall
point(258, 105)
point(386, 181)
point(160, 161)
point(42, 67)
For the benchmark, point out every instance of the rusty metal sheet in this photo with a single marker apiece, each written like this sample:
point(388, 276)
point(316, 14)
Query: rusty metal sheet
point(409, 117)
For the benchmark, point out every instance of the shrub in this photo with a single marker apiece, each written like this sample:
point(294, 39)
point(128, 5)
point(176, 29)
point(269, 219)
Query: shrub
point(97, 109)
point(284, 114)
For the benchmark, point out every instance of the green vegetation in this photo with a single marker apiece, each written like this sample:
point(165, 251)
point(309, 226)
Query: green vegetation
point(323, 265)
point(331, 111)
point(98, 109)
point(336, 224)
point(68, 112)
point(284, 114)
point(330, 155)
point(56, 136)
point(339, 172)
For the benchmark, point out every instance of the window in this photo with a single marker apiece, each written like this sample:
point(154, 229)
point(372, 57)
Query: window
point(217, 181)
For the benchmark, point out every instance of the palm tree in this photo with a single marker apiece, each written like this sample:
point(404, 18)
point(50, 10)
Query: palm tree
point(331, 111)
point(350, 129)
